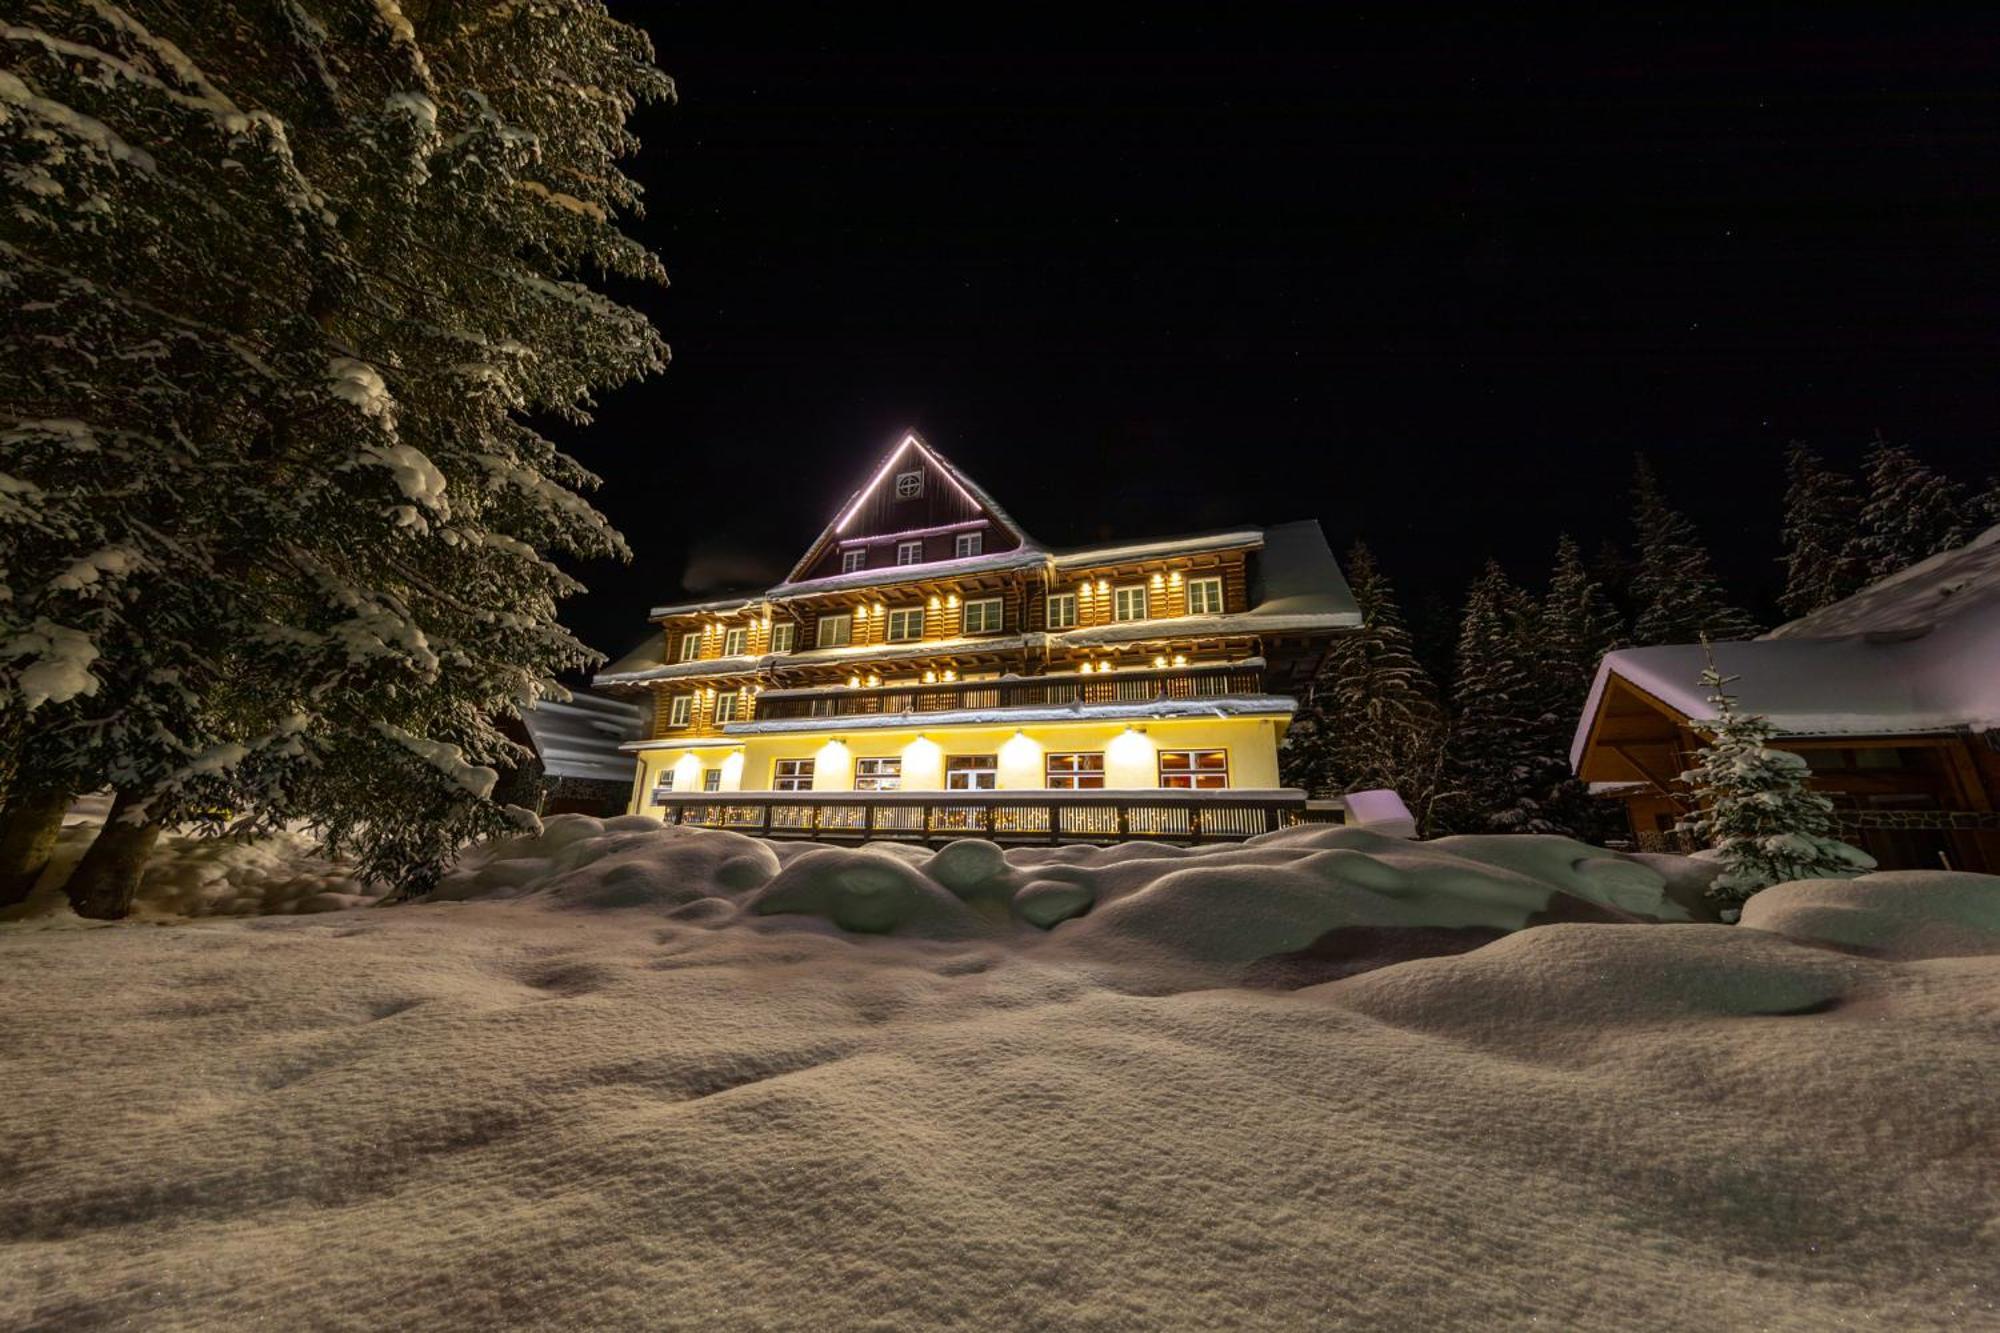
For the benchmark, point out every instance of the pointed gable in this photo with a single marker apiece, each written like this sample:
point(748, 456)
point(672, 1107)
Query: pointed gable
point(913, 495)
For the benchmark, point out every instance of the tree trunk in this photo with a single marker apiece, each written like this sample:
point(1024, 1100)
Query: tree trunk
point(27, 840)
point(106, 879)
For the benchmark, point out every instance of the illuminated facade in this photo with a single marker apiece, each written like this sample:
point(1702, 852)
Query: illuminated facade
point(925, 643)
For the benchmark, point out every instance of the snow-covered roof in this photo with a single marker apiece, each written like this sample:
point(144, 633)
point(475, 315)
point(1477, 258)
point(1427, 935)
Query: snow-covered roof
point(1236, 705)
point(584, 736)
point(1023, 558)
point(741, 665)
point(1918, 652)
point(1125, 552)
point(732, 603)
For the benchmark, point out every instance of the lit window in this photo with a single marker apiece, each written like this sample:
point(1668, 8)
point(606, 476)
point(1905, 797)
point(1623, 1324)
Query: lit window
point(968, 543)
point(690, 646)
point(983, 616)
point(1207, 769)
point(732, 642)
point(1074, 772)
point(711, 780)
point(910, 553)
point(681, 710)
point(971, 772)
point(909, 485)
point(1129, 603)
point(728, 705)
point(835, 631)
point(878, 774)
point(905, 624)
point(853, 560)
point(1204, 597)
point(793, 775)
point(1062, 610)
point(782, 636)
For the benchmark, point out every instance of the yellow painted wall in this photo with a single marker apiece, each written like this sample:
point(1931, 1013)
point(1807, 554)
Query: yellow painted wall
point(1130, 753)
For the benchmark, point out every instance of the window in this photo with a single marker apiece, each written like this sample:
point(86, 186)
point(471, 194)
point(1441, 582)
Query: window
point(664, 787)
point(878, 774)
point(835, 631)
point(1062, 610)
point(968, 543)
point(728, 706)
point(1194, 768)
point(1204, 597)
point(681, 711)
point(690, 646)
point(971, 772)
point(909, 485)
point(983, 616)
point(853, 560)
point(732, 642)
point(1073, 772)
point(792, 775)
point(910, 553)
point(905, 623)
point(711, 780)
point(782, 636)
point(1129, 603)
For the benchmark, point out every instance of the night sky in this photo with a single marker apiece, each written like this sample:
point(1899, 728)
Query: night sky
point(1430, 282)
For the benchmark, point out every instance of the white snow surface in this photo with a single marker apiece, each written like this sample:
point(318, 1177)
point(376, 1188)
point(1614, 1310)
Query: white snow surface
point(626, 1076)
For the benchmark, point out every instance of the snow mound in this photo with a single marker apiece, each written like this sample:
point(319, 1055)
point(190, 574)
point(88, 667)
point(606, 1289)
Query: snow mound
point(1890, 914)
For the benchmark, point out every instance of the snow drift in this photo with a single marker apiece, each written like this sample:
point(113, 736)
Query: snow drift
point(632, 1077)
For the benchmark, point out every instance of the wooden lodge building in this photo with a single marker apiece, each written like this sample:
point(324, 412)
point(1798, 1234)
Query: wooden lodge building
point(1891, 696)
point(929, 669)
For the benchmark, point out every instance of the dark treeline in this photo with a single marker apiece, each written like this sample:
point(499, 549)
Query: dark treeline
point(1475, 730)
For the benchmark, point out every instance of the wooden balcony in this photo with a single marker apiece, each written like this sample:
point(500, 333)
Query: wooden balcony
point(1016, 692)
point(1190, 817)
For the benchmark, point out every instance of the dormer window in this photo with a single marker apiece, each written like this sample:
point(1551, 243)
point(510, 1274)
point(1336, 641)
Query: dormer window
point(968, 543)
point(853, 560)
point(909, 485)
point(910, 553)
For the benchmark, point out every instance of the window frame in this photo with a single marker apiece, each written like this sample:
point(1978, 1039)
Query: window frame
point(1049, 604)
point(909, 485)
point(913, 549)
point(844, 619)
point(734, 712)
point(963, 766)
point(1189, 778)
point(854, 561)
point(680, 711)
point(800, 778)
point(968, 544)
point(789, 630)
point(1076, 776)
point(738, 635)
point(876, 777)
point(690, 649)
point(1207, 581)
point(902, 614)
point(999, 605)
point(711, 779)
point(1119, 596)
point(663, 783)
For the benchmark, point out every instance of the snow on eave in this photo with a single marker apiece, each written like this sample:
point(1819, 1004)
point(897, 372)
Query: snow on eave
point(1241, 705)
point(1125, 552)
point(895, 575)
point(1205, 627)
point(972, 490)
point(711, 666)
point(704, 608)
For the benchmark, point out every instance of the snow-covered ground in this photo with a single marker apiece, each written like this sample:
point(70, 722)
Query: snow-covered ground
point(621, 1076)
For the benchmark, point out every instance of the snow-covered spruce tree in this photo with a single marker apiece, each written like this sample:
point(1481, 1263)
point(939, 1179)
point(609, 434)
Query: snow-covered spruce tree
point(1497, 766)
point(296, 277)
point(1823, 557)
point(1575, 627)
point(1911, 513)
point(1676, 596)
point(1754, 810)
point(1372, 717)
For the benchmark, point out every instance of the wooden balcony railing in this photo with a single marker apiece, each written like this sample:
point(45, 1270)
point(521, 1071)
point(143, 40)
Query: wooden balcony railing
point(1018, 692)
point(1017, 816)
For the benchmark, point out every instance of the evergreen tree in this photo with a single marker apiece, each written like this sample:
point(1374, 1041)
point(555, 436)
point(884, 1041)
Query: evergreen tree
point(1576, 626)
point(1675, 592)
point(290, 279)
point(1498, 765)
point(1755, 812)
point(1911, 513)
point(1823, 558)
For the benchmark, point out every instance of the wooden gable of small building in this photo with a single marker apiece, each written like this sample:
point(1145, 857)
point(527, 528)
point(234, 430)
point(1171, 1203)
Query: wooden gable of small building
point(914, 495)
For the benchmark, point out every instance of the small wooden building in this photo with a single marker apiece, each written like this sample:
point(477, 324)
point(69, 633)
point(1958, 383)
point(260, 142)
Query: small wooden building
point(1892, 696)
